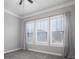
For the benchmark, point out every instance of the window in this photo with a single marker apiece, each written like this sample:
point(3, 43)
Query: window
point(48, 31)
point(56, 29)
point(30, 32)
point(42, 30)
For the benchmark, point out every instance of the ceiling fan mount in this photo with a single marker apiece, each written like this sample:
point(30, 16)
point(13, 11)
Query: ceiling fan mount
point(21, 1)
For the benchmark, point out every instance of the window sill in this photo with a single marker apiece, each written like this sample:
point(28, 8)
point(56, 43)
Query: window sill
point(45, 44)
point(57, 45)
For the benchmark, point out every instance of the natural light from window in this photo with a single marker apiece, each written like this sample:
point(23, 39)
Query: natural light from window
point(46, 31)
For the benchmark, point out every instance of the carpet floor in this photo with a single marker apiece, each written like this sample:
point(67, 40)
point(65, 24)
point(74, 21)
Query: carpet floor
point(21, 54)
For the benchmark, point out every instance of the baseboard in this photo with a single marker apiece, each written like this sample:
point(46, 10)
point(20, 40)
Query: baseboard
point(11, 50)
point(58, 54)
point(72, 57)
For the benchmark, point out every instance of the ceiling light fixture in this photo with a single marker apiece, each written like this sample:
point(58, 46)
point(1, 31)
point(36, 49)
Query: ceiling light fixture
point(21, 1)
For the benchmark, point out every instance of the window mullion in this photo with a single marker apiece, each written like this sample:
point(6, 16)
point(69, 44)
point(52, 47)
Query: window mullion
point(34, 33)
point(49, 31)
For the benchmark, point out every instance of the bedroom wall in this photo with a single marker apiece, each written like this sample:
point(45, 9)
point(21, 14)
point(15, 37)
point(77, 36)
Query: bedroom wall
point(11, 33)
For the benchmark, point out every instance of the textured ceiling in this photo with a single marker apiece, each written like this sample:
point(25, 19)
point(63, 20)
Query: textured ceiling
point(27, 8)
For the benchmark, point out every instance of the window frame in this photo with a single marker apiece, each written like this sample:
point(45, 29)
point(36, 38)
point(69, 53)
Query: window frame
point(48, 33)
point(38, 42)
point(57, 44)
point(33, 33)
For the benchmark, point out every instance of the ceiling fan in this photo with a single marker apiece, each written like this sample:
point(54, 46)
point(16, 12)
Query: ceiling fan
point(21, 1)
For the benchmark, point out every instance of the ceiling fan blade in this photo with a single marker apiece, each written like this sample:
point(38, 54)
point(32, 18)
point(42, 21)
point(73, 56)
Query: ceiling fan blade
point(30, 1)
point(21, 1)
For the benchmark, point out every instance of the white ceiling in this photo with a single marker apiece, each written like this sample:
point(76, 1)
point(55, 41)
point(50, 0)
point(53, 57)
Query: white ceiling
point(28, 8)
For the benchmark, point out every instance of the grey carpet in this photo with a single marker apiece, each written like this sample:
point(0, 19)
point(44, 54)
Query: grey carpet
point(21, 54)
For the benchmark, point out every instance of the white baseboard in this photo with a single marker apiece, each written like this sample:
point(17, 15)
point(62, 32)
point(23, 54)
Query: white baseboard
point(58, 54)
point(72, 57)
point(11, 50)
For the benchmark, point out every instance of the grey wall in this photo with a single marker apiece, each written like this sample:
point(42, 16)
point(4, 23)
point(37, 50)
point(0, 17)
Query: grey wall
point(52, 49)
point(11, 32)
